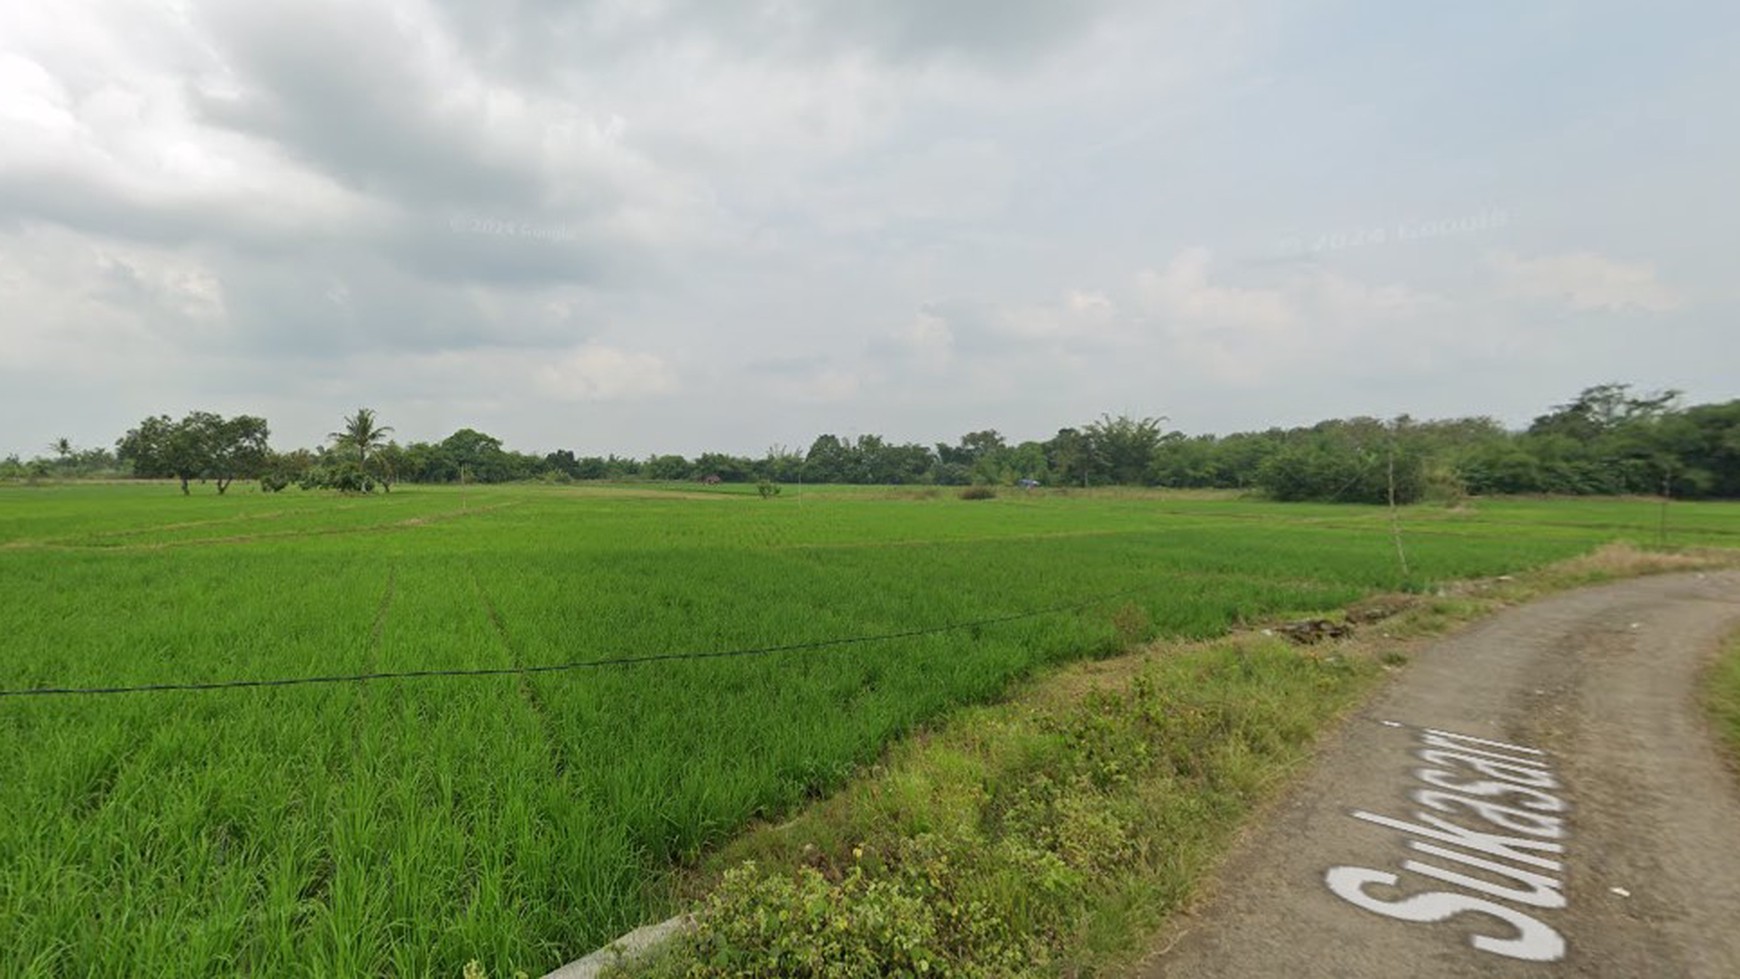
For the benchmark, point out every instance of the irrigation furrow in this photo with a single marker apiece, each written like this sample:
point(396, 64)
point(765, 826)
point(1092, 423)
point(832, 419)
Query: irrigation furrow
point(1315, 523)
point(86, 538)
point(411, 522)
point(964, 539)
point(190, 524)
point(371, 653)
point(381, 616)
point(558, 755)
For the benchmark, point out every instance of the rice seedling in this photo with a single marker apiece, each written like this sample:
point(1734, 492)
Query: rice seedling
point(407, 827)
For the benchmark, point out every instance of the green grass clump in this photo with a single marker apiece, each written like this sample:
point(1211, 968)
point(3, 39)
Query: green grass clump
point(1724, 697)
point(406, 828)
point(1001, 847)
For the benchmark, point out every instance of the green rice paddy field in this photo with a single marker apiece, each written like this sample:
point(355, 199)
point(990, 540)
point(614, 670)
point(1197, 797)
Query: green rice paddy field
point(402, 827)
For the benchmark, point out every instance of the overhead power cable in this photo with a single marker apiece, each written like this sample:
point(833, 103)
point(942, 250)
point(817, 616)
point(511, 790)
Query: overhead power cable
point(300, 681)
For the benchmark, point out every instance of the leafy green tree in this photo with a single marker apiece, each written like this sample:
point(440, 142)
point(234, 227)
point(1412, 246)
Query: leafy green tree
point(982, 456)
point(1346, 461)
point(1185, 462)
point(475, 457)
point(1025, 461)
point(236, 448)
point(782, 465)
point(668, 467)
point(388, 465)
point(1502, 467)
point(563, 461)
point(427, 462)
point(622, 468)
point(908, 462)
point(1601, 409)
point(950, 474)
point(729, 468)
point(281, 469)
point(1122, 449)
point(146, 447)
point(1070, 455)
point(202, 445)
point(828, 461)
point(1705, 443)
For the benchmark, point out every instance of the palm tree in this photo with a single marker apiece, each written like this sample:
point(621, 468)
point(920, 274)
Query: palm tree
point(361, 431)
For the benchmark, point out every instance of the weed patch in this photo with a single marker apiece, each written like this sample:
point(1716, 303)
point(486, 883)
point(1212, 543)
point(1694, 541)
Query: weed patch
point(1724, 699)
point(996, 847)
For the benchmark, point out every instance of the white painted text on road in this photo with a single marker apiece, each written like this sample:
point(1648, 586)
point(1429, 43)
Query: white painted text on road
point(1492, 804)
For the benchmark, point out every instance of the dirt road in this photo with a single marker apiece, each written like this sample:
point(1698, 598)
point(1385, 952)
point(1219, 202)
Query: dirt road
point(1538, 796)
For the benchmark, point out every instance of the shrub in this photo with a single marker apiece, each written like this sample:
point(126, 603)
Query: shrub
point(920, 913)
point(988, 866)
point(346, 477)
point(767, 488)
point(978, 493)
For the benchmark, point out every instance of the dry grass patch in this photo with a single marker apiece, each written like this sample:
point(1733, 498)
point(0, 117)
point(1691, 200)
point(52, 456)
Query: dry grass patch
point(1623, 560)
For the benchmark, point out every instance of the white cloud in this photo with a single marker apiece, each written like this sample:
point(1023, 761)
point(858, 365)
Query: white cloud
point(600, 373)
point(105, 308)
point(104, 107)
point(832, 384)
point(1247, 334)
point(956, 180)
point(1587, 281)
point(1183, 294)
point(253, 207)
point(1079, 317)
point(928, 340)
point(503, 376)
point(1097, 302)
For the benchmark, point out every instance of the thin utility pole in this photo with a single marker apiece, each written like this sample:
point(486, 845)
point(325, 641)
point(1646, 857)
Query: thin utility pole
point(1666, 492)
point(1395, 515)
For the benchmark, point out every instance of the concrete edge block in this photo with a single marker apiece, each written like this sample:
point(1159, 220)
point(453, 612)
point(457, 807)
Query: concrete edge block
point(629, 947)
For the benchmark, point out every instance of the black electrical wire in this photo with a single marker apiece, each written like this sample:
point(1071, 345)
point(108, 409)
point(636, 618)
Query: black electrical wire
point(298, 681)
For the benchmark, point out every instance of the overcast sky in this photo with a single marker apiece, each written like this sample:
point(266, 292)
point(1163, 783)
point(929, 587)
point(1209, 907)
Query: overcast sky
point(637, 227)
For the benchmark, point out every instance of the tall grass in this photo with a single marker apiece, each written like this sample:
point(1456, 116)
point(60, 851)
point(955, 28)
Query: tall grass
point(1724, 697)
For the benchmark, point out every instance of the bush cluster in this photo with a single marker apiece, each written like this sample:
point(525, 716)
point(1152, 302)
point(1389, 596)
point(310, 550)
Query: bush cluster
point(990, 872)
point(346, 477)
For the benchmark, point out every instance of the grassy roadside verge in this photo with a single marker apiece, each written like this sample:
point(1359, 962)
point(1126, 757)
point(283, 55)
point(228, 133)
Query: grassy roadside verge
point(1052, 833)
point(1724, 698)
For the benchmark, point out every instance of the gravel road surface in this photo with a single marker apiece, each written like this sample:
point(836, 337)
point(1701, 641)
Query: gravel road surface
point(1540, 795)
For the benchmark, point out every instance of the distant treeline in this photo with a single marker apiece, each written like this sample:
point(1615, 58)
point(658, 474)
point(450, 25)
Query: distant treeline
point(1607, 440)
